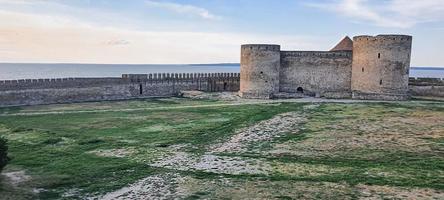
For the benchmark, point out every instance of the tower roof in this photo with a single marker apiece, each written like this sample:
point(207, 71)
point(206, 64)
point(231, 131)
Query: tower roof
point(345, 44)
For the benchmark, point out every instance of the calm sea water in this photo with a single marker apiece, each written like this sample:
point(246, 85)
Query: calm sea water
point(33, 71)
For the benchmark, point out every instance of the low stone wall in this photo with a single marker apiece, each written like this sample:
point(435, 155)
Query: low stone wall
point(130, 86)
point(429, 87)
point(379, 96)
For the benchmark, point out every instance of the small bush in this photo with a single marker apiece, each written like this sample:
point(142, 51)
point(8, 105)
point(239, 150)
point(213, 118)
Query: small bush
point(21, 129)
point(52, 141)
point(91, 141)
point(3, 153)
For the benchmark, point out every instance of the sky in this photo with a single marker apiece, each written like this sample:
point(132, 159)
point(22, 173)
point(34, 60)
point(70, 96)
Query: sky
point(205, 31)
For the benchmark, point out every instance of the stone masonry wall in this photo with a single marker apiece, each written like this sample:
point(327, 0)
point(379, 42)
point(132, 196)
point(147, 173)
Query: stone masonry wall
point(316, 72)
point(68, 90)
point(260, 66)
point(428, 87)
point(381, 67)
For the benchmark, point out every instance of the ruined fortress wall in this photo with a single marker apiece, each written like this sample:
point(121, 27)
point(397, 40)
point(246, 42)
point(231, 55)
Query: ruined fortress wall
point(68, 90)
point(427, 87)
point(259, 71)
point(381, 67)
point(316, 72)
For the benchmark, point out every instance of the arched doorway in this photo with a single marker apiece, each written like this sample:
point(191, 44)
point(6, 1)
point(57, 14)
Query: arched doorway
point(300, 90)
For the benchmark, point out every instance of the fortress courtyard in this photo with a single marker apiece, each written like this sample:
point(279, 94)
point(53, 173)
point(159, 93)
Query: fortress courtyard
point(222, 147)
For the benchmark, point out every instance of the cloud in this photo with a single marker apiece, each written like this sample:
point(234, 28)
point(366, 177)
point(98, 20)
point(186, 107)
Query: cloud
point(118, 42)
point(387, 13)
point(183, 9)
point(31, 37)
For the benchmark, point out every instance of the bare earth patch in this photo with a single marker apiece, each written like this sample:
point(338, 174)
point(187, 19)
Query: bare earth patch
point(17, 177)
point(387, 192)
point(162, 186)
point(263, 131)
point(117, 153)
point(410, 133)
point(211, 163)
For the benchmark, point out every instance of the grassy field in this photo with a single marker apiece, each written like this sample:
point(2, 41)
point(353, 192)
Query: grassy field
point(177, 148)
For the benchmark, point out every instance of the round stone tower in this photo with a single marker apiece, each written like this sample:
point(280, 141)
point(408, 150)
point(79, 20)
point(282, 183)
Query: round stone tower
point(380, 68)
point(260, 66)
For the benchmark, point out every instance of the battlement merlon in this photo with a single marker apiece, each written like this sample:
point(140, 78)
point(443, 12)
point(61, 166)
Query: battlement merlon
point(324, 54)
point(383, 37)
point(271, 47)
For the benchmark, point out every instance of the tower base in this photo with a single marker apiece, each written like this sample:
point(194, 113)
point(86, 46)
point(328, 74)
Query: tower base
point(380, 96)
point(253, 95)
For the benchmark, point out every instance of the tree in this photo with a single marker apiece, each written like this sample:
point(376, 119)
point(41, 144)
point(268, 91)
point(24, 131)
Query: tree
point(3, 153)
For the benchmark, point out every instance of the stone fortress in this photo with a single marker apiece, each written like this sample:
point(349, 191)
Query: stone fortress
point(369, 67)
point(129, 86)
point(366, 68)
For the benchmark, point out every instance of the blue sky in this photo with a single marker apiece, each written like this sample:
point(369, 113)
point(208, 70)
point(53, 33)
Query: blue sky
point(205, 31)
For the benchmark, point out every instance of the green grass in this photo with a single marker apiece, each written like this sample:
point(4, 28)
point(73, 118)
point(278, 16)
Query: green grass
point(56, 149)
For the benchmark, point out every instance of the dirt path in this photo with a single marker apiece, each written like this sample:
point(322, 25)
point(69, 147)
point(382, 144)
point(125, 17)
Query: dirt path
point(153, 187)
point(180, 160)
point(265, 130)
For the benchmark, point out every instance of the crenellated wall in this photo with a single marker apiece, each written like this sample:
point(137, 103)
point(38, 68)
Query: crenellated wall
point(130, 86)
point(320, 73)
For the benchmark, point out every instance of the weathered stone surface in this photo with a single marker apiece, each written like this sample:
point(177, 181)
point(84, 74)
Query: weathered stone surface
point(49, 91)
point(260, 65)
point(315, 72)
point(381, 65)
point(428, 87)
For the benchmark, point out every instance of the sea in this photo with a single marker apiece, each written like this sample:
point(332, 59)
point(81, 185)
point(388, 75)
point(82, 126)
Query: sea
point(14, 71)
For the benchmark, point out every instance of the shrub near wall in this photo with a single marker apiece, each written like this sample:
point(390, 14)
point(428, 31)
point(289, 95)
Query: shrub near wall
point(3, 153)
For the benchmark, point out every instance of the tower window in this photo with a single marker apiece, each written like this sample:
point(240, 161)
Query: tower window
point(363, 69)
point(380, 82)
point(140, 89)
point(379, 55)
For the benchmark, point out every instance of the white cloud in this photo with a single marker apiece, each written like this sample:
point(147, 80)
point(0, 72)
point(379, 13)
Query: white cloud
point(29, 37)
point(117, 42)
point(387, 13)
point(183, 9)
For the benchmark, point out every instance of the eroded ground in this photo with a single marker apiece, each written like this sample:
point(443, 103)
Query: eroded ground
point(225, 149)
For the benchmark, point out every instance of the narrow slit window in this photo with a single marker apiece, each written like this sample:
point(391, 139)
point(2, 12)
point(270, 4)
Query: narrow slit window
point(140, 89)
point(380, 82)
point(379, 55)
point(363, 69)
